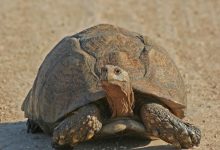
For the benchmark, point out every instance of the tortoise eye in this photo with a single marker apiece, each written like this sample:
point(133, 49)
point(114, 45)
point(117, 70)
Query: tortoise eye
point(117, 71)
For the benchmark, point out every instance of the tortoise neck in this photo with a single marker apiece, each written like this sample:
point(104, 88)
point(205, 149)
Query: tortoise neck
point(120, 98)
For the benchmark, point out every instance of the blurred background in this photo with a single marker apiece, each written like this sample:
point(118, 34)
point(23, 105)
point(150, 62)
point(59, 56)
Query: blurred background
point(188, 29)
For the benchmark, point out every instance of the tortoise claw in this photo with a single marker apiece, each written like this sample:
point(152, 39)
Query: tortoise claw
point(170, 128)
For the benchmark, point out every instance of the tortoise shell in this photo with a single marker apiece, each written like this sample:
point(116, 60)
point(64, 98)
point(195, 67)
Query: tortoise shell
point(69, 76)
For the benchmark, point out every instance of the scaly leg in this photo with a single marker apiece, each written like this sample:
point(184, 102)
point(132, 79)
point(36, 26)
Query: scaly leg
point(161, 123)
point(80, 126)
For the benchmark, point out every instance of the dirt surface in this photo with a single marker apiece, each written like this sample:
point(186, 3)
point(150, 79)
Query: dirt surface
point(189, 30)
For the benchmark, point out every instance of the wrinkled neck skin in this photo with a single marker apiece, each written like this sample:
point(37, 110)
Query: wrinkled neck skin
point(120, 97)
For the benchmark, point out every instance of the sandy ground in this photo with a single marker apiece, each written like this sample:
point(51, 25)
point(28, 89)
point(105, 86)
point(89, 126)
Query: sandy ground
point(189, 30)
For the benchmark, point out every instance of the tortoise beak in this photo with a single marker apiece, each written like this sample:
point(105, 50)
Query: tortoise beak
point(104, 74)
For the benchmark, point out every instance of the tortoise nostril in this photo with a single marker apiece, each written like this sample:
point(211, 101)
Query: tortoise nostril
point(104, 70)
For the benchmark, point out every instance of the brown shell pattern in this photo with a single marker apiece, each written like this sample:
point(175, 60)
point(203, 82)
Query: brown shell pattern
point(69, 76)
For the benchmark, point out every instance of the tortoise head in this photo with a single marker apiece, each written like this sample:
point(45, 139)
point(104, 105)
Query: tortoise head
point(113, 74)
point(116, 83)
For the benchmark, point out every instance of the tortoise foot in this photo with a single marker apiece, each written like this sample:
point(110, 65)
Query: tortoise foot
point(33, 127)
point(162, 124)
point(81, 126)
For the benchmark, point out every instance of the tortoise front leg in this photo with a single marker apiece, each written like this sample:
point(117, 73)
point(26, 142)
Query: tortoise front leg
point(161, 123)
point(80, 126)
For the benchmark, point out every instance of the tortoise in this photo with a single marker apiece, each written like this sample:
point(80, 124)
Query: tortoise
point(107, 81)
